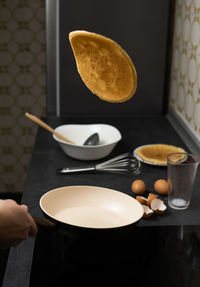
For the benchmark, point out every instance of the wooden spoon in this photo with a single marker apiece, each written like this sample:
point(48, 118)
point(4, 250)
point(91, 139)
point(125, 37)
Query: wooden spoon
point(47, 127)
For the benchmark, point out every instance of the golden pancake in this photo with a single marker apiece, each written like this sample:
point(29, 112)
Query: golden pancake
point(157, 153)
point(105, 68)
point(178, 158)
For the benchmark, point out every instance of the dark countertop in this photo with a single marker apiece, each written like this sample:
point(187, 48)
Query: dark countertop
point(48, 156)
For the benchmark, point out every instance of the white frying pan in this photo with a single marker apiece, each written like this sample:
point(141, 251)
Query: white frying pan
point(91, 210)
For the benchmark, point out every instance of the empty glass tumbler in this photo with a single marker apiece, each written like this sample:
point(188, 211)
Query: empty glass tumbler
point(182, 168)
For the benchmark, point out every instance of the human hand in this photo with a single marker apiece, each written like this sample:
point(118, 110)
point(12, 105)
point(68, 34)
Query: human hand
point(16, 224)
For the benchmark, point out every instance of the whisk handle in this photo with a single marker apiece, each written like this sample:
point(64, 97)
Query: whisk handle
point(67, 170)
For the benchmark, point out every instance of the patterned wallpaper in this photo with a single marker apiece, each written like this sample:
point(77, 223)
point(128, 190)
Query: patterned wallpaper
point(185, 72)
point(22, 86)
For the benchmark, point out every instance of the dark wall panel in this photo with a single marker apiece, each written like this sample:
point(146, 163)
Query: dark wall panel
point(141, 28)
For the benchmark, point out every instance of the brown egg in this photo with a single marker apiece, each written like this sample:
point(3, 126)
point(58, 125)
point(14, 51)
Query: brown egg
point(138, 186)
point(161, 186)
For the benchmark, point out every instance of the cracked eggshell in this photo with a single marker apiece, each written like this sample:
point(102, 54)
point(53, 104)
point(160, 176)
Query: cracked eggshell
point(141, 199)
point(151, 196)
point(158, 206)
point(147, 211)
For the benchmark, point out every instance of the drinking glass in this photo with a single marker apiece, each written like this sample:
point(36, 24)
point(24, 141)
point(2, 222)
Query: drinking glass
point(182, 168)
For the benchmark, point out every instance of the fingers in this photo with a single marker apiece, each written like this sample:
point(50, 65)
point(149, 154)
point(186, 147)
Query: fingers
point(8, 202)
point(33, 227)
point(6, 244)
point(16, 223)
point(33, 230)
point(15, 243)
point(25, 207)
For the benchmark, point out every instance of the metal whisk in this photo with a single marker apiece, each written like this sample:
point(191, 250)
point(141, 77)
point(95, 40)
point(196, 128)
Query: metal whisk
point(122, 163)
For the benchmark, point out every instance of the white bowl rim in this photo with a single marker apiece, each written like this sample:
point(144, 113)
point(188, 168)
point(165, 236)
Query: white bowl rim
point(84, 146)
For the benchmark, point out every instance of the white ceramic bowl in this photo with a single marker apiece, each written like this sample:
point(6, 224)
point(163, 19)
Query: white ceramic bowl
point(109, 136)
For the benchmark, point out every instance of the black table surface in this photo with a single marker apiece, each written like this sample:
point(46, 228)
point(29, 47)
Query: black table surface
point(48, 156)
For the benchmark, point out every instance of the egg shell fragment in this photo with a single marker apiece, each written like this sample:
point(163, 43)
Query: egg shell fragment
point(158, 206)
point(141, 199)
point(147, 211)
point(151, 196)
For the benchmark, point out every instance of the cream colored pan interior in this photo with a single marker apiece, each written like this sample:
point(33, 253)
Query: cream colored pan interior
point(91, 207)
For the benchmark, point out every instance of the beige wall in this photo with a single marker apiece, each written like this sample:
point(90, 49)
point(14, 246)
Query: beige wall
point(185, 72)
point(22, 86)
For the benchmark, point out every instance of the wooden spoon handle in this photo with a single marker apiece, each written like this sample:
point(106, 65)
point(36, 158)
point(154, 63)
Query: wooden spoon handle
point(47, 127)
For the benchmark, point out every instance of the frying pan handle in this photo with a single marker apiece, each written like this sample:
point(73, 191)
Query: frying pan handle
point(44, 223)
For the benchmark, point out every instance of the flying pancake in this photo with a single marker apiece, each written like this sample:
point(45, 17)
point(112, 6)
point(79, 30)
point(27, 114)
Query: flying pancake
point(105, 68)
